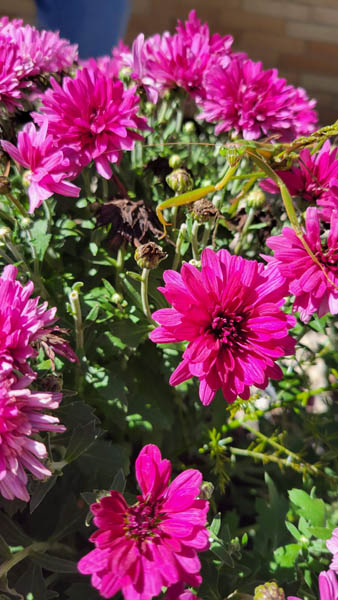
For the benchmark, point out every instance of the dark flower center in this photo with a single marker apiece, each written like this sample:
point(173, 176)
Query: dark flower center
point(141, 521)
point(328, 258)
point(227, 328)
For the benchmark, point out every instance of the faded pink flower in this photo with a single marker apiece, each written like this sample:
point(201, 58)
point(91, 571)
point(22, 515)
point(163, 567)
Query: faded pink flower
point(153, 543)
point(105, 125)
point(41, 52)
point(47, 166)
point(230, 314)
point(328, 586)
point(23, 321)
point(255, 103)
point(10, 84)
point(315, 179)
point(23, 415)
point(305, 279)
point(166, 61)
point(332, 545)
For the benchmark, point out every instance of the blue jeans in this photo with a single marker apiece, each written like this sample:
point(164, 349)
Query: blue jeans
point(96, 25)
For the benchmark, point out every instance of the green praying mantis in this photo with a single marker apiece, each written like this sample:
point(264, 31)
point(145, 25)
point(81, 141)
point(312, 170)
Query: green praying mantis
point(266, 157)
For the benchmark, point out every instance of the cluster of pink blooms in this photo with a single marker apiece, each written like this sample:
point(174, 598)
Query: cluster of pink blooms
point(26, 53)
point(313, 283)
point(23, 322)
point(152, 544)
point(230, 313)
point(232, 90)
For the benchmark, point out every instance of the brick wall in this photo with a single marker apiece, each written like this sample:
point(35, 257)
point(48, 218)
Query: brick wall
point(299, 37)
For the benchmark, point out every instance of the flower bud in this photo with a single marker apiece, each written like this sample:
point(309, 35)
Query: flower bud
point(203, 210)
point(149, 108)
point(148, 256)
point(5, 232)
point(175, 161)
point(5, 185)
point(269, 591)
point(180, 181)
point(26, 178)
point(207, 490)
point(26, 223)
point(255, 198)
point(189, 127)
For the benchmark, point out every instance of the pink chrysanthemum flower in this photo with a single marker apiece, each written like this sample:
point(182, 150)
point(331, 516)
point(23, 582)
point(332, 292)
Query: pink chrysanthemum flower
point(166, 61)
point(105, 125)
point(41, 52)
point(154, 543)
point(315, 179)
point(328, 586)
point(23, 415)
point(306, 280)
point(255, 103)
point(230, 314)
point(10, 84)
point(23, 321)
point(47, 166)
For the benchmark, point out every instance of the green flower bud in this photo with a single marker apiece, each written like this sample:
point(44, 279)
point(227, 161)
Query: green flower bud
point(175, 161)
point(5, 232)
point(149, 108)
point(26, 222)
point(180, 181)
point(269, 591)
point(189, 127)
point(117, 298)
point(207, 490)
point(255, 198)
point(148, 256)
point(26, 178)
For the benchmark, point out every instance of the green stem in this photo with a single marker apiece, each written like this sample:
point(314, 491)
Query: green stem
point(74, 300)
point(119, 266)
point(144, 295)
point(194, 240)
point(19, 556)
point(180, 238)
point(18, 205)
point(206, 234)
point(248, 222)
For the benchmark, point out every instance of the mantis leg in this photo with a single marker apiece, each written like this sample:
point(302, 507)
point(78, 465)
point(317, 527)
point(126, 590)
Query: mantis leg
point(192, 196)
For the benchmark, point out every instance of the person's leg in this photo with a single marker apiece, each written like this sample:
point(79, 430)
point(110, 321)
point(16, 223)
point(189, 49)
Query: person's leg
point(96, 25)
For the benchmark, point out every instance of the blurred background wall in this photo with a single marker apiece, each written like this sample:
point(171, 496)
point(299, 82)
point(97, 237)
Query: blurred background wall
point(299, 37)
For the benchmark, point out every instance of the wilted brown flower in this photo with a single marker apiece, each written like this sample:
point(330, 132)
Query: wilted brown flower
point(51, 341)
point(149, 255)
point(130, 220)
point(203, 210)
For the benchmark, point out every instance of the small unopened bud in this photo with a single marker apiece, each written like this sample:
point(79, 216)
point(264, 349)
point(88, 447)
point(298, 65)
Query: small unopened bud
point(149, 108)
point(175, 161)
point(189, 127)
point(5, 185)
point(26, 178)
point(180, 181)
point(255, 198)
point(124, 74)
point(269, 591)
point(207, 490)
point(203, 210)
point(5, 232)
point(148, 256)
point(26, 223)
point(117, 298)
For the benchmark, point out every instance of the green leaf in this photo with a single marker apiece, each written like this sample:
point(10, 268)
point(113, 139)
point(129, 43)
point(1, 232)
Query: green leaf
point(219, 549)
point(119, 482)
point(82, 591)
point(12, 533)
point(94, 311)
point(131, 334)
point(54, 563)
point(32, 582)
point(215, 525)
point(293, 530)
point(5, 552)
point(286, 555)
point(40, 237)
point(312, 509)
point(82, 438)
point(41, 489)
point(323, 533)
